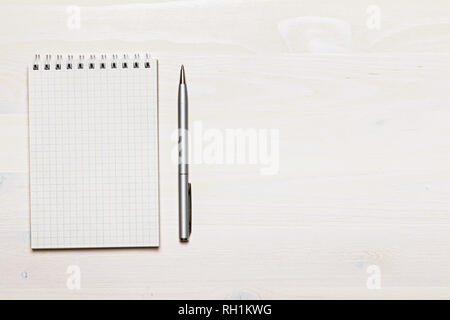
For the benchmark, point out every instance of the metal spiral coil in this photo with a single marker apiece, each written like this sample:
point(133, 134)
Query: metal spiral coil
point(102, 61)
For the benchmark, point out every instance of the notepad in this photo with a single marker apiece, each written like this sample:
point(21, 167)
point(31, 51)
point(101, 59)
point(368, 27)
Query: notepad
point(93, 140)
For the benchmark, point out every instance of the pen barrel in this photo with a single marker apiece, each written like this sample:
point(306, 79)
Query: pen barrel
point(184, 200)
point(184, 207)
point(183, 134)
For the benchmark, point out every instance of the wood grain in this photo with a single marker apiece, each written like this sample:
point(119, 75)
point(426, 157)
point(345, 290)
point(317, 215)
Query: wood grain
point(364, 153)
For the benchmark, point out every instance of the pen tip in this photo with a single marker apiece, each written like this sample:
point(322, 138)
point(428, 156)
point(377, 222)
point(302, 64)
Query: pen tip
point(182, 79)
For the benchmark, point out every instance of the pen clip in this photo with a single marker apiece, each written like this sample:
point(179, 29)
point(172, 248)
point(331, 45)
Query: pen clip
point(189, 196)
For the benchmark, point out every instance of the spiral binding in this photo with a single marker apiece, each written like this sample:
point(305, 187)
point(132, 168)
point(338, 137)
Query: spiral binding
point(104, 61)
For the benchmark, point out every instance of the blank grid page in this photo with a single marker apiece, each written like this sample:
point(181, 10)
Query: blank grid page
point(94, 156)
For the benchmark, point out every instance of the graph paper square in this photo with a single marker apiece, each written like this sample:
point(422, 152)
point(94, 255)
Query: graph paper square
point(94, 176)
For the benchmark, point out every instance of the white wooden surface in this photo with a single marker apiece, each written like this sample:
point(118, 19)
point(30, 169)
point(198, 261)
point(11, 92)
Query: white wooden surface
point(363, 116)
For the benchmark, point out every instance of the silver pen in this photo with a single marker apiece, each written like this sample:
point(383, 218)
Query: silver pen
point(184, 187)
